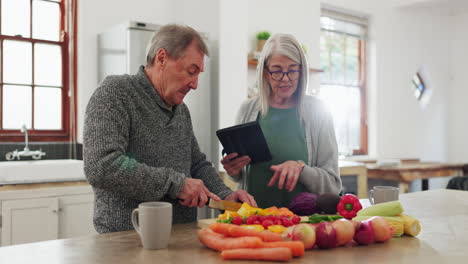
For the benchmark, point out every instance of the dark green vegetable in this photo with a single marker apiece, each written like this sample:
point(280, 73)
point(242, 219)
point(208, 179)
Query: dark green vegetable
point(316, 218)
point(327, 202)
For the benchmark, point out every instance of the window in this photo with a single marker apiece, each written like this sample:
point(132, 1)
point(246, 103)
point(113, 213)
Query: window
point(37, 69)
point(342, 87)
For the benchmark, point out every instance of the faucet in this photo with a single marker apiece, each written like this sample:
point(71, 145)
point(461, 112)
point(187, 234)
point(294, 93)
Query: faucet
point(37, 154)
point(24, 129)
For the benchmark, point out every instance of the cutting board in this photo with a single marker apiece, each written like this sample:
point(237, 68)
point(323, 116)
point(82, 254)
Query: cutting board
point(205, 222)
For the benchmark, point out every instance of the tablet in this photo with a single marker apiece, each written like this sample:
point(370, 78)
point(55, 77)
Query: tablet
point(245, 139)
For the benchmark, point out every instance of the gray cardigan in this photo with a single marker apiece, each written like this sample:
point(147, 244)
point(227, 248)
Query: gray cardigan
point(321, 173)
point(134, 152)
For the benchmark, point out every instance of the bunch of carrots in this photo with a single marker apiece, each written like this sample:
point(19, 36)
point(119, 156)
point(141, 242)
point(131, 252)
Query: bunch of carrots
point(235, 242)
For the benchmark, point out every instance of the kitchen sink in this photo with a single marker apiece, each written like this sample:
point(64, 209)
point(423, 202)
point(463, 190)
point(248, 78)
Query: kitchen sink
point(18, 172)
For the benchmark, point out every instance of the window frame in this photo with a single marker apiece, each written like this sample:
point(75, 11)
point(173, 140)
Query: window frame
point(68, 44)
point(362, 85)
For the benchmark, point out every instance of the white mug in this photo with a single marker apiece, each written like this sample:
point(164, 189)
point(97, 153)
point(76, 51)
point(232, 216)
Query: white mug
point(382, 194)
point(153, 222)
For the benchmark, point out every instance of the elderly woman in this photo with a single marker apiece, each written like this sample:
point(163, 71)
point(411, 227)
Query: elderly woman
point(297, 127)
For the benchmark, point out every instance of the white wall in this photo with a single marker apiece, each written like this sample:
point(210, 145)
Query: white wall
point(406, 41)
point(457, 107)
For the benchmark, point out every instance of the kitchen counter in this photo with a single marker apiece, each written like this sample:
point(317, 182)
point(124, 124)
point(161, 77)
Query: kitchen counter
point(443, 215)
point(31, 186)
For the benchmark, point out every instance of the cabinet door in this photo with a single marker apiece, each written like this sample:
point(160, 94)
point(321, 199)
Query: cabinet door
point(76, 215)
point(29, 220)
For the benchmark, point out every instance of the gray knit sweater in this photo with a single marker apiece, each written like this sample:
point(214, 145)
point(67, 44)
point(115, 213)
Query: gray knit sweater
point(136, 150)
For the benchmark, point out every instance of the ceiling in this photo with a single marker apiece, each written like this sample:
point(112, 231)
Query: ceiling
point(448, 7)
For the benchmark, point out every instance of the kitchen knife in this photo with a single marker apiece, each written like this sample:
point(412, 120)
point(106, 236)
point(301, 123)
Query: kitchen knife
point(224, 205)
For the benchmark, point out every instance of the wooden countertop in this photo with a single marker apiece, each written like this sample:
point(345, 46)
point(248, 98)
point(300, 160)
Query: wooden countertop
point(30, 186)
point(443, 215)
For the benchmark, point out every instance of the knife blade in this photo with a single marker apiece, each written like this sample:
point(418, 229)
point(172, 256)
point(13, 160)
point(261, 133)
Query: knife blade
point(224, 205)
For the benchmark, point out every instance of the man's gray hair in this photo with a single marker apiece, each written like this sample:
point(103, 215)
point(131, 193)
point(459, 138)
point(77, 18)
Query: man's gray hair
point(174, 39)
point(287, 45)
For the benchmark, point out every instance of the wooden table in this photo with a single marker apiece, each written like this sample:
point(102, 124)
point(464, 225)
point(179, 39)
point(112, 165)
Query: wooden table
point(350, 168)
point(443, 215)
point(407, 172)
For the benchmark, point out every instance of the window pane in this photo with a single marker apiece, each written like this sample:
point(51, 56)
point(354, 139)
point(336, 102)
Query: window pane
point(342, 26)
point(47, 108)
point(15, 17)
point(47, 65)
point(352, 66)
point(344, 103)
point(337, 58)
point(46, 20)
point(324, 57)
point(352, 61)
point(16, 106)
point(17, 62)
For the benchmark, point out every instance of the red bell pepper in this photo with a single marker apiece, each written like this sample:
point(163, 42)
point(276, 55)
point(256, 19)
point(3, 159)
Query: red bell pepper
point(348, 206)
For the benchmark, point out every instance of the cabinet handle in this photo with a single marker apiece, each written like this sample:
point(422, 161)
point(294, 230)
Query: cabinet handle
point(54, 211)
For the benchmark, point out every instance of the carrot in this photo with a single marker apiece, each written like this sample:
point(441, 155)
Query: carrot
point(238, 231)
point(220, 228)
point(219, 242)
point(269, 236)
point(208, 231)
point(296, 247)
point(271, 254)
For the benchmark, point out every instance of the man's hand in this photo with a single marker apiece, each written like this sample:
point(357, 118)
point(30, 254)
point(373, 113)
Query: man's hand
point(241, 196)
point(233, 165)
point(195, 193)
point(286, 173)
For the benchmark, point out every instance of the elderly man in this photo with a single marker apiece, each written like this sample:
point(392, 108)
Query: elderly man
point(139, 143)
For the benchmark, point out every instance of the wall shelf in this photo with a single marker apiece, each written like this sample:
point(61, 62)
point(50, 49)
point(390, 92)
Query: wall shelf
point(253, 63)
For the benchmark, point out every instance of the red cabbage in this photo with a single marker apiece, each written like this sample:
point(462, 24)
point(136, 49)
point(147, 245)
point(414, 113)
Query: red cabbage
point(304, 204)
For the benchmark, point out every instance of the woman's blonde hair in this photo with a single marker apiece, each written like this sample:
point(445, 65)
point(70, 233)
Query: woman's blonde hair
point(286, 45)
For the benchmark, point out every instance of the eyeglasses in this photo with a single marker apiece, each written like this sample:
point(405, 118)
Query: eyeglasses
point(279, 75)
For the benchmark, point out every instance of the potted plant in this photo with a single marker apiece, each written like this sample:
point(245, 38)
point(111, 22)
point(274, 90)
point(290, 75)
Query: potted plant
point(262, 37)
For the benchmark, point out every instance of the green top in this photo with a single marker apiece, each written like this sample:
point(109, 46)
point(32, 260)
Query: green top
point(286, 140)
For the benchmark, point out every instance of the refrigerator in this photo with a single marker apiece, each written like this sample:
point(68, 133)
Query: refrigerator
point(122, 49)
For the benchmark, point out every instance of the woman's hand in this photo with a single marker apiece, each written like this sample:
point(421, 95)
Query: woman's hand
point(286, 173)
point(234, 165)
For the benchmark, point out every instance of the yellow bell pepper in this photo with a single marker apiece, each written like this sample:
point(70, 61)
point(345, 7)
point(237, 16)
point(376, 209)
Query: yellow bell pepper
point(246, 210)
point(254, 227)
point(227, 214)
point(277, 228)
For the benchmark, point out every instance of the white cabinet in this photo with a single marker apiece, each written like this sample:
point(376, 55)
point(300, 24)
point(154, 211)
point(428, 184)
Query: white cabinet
point(29, 220)
point(45, 214)
point(76, 215)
